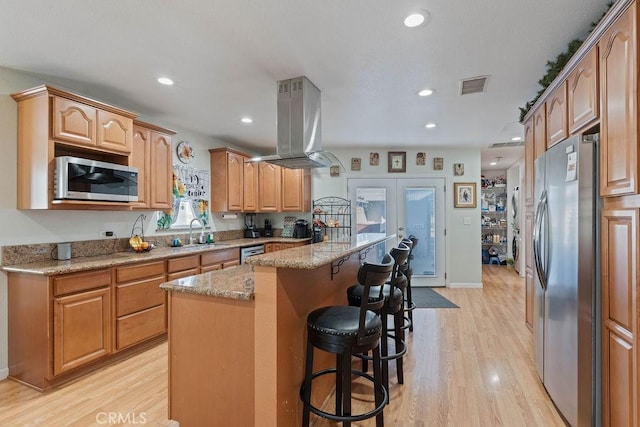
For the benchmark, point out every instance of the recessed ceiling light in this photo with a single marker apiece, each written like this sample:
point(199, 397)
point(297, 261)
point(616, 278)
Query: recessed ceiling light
point(425, 92)
point(418, 18)
point(165, 81)
point(493, 163)
point(246, 120)
point(430, 125)
point(516, 138)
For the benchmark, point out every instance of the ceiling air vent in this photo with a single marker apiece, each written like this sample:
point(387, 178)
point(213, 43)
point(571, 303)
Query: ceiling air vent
point(507, 144)
point(473, 85)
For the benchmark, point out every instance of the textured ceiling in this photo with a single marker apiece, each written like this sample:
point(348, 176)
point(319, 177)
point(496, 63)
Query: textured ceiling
point(226, 56)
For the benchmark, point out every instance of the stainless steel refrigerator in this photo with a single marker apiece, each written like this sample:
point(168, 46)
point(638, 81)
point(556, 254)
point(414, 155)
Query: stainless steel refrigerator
point(566, 327)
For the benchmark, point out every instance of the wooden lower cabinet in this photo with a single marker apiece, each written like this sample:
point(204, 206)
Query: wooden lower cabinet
point(185, 266)
point(620, 317)
point(216, 260)
point(140, 303)
point(81, 329)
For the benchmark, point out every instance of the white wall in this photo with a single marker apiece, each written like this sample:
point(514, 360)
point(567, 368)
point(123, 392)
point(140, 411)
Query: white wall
point(23, 227)
point(463, 246)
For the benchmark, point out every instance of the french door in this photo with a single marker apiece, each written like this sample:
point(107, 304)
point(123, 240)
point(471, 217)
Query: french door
point(412, 206)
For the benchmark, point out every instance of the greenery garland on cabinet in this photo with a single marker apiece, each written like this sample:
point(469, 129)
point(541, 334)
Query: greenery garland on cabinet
point(555, 67)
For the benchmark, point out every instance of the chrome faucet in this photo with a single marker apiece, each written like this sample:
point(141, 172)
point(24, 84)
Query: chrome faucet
point(201, 240)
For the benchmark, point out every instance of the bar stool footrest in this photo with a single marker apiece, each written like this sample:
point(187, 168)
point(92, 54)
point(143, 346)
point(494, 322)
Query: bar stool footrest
point(349, 418)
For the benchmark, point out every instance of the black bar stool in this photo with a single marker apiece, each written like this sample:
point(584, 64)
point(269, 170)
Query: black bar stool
point(345, 330)
point(393, 305)
point(412, 242)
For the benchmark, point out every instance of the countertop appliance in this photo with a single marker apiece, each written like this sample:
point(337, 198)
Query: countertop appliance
point(567, 319)
point(268, 228)
point(251, 231)
point(301, 229)
point(250, 251)
point(83, 179)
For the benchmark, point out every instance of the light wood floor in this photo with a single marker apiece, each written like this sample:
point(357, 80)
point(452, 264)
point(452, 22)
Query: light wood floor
point(470, 366)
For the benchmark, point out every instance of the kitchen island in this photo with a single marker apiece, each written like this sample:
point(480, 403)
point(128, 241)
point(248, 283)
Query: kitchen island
point(237, 336)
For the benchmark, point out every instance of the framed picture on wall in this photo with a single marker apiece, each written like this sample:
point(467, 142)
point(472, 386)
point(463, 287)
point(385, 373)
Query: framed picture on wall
point(397, 161)
point(464, 195)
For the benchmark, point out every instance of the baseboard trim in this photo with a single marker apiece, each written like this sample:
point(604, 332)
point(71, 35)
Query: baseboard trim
point(465, 285)
point(4, 373)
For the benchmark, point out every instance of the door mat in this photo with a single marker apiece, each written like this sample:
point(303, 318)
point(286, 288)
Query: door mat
point(428, 298)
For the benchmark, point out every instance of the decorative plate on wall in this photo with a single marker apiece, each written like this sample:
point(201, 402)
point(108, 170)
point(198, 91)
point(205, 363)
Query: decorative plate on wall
point(185, 153)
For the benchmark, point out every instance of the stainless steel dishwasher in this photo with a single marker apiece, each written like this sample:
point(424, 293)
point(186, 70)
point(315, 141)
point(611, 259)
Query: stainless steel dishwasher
point(250, 251)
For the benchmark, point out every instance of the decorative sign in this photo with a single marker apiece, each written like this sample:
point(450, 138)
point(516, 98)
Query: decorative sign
point(374, 159)
point(438, 163)
point(421, 158)
point(355, 163)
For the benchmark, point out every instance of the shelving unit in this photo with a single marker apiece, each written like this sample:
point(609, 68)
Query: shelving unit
point(494, 222)
point(334, 216)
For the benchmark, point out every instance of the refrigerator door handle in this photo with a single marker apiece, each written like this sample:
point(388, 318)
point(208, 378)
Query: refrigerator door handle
point(537, 239)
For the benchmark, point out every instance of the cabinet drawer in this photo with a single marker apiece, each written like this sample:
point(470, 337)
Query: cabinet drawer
point(139, 271)
point(183, 273)
point(76, 282)
point(231, 263)
point(138, 296)
point(140, 326)
point(216, 257)
point(211, 267)
point(183, 263)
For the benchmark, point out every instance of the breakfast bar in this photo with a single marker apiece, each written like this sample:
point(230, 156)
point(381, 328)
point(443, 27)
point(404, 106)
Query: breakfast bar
point(236, 336)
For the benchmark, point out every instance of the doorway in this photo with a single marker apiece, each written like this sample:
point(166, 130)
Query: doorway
point(410, 206)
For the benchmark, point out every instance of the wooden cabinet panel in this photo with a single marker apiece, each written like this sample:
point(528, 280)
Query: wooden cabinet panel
point(138, 296)
point(76, 282)
point(582, 86)
point(161, 193)
point(227, 180)
point(183, 263)
point(620, 316)
point(140, 326)
point(219, 256)
point(527, 244)
point(539, 132)
point(618, 385)
point(140, 271)
point(81, 329)
point(556, 107)
point(141, 159)
point(618, 95)
point(269, 187)
point(74, 122)
point(115, 132)
point(212, 267)
point(183, 273)
point(231, 263)
point(296, 189)
point(528, 162)
point(250, 202)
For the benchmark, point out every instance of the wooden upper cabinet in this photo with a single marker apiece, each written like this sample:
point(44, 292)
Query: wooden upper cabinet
point(618, 95)
point(74, 122)
point(161, 171)
point(114, 132)
point(528, 162)
point(295, 190)
point(141, 159)
point(269, 187)
point(250, 202)
point(151, 153)
point(227, 182)
point(582, 87)
point(556, 106)
point(539, 132)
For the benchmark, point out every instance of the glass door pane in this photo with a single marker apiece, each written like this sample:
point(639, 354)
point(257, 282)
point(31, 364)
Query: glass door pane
point(420, 221)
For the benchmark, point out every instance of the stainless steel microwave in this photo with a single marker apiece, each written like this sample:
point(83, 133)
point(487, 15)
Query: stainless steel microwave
point(84, 179)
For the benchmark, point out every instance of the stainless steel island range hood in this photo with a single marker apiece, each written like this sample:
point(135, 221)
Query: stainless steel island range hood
point(299, 139)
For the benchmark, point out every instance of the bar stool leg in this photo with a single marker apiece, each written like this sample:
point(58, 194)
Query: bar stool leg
point(384, 350)
point(398, 320)
point(410, 305)
point(346, 386)
point(377, 383)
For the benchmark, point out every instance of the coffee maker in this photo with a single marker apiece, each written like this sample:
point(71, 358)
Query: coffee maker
point(251, 230)
point(301, 229)
point(268, 229)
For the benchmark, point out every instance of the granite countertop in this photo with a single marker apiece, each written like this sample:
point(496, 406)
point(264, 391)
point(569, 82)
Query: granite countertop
point(53, 267)
point(313, 256)
point(234, 282)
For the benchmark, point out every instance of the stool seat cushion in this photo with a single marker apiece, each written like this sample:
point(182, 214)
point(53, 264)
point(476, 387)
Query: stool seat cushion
point(354, 294)
point(342, 321)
